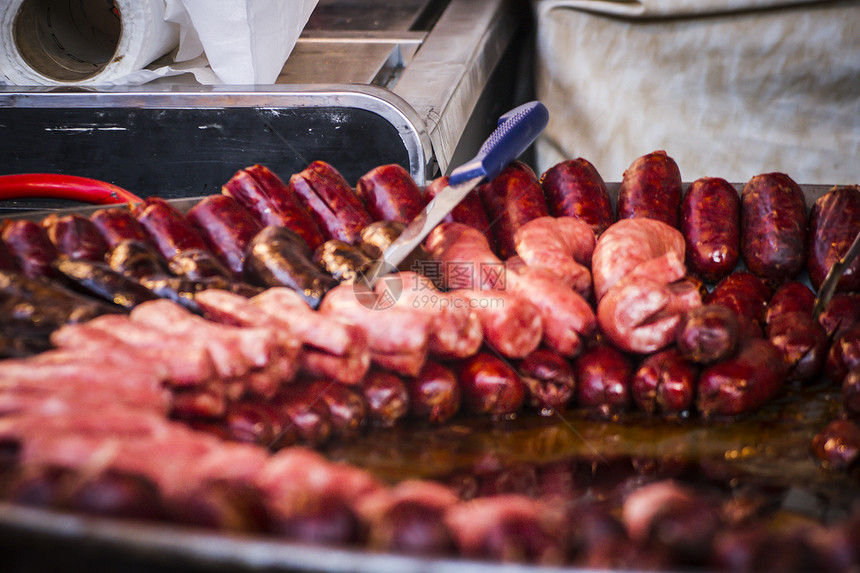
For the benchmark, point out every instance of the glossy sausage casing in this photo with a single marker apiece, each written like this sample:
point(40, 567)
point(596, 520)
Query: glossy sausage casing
point(574, 188)
point(651, 187)
point(511, 200)
point(390, 194)
point(834, 222)
point(470, 211)
point(336, 209)
point(227, 227)
point(773, 227)
point(710, 223)
point(742, 383)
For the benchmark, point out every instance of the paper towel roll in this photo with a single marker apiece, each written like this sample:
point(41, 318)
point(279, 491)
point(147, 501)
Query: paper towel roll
point(81, 42)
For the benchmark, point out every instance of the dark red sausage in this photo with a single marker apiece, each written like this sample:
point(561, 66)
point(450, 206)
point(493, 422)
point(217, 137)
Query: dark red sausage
point(838, 445)
point(434, 395)
point(851, 394)
point(802, 341)
point(29, 245)
point(227, 227)
point(574, 188)
point(842, 312)
point(256, 422)
point(390, 194)
point(834, 222)
point(302, 411)
point(651, 187)
point(549, 379)
point(168, 229)
point(346, 406)
point(387, 397)
point(511, 200)
point(790, 296)
point(711, 225)
point(844, 354)
point(744, 293)
point(336, 209)
point(116, 225)
point(743, 383)
point(707, 334)
point(773, 227)
point(272, 202)
point(664, 383)
point(75, 237)
point(603, 375)
point(490, 385)
point(470, 211)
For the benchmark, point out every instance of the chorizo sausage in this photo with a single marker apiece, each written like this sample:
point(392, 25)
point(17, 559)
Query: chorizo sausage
point(169, 230)
point(272, 202)
point(390, 194)
point(470, 211)
point(834, 222)
point(30, 247)
point(116, 225)
point(710, 223)
point(773, 227)
point(335, 208)
point(434, 395)
point(511, 200)
point(227, 227)
point(489, 385)
point(574, 188)
point(742, 383)
point(664, 383)
point(75, 237)
point(651, 187)
point(549, 380)
point(603, 376)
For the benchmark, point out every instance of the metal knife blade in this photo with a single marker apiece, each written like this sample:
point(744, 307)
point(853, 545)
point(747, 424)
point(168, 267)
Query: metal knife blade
point(828, 287)
point(517, 129)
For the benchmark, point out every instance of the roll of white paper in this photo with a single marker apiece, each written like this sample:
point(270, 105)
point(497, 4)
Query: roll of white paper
point(81, 42)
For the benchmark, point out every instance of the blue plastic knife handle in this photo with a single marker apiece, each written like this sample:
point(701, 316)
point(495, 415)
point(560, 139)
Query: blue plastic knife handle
point(517, 130)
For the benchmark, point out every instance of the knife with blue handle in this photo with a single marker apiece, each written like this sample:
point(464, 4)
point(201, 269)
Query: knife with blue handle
point(517, 130)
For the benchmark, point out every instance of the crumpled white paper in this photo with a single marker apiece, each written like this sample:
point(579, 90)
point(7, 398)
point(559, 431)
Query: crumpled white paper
point(238, 42)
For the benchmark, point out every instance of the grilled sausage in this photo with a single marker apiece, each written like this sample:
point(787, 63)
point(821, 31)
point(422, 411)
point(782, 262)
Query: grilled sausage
point(273, 260)
point(387, 397)
point(489, 385)
point(100, 281)
point(664, 383)
point(708, 334)
point(30, 247)
point(773, 227)
point(470, 211)
point(169, 230)
point(511, 200)
point(790, 296)
point(75, 237)
point(745, 294)
point(710, 223)
point(117, 224)
point(335, 208)
point(434, 395)
point(742, 383)
point(834, 222)
point(272, 202)
point(651, 187)
point(549, 380)
point(802, 341)
point(603, 376)
point(390, 194)
point(574, 188)
point(227, 227)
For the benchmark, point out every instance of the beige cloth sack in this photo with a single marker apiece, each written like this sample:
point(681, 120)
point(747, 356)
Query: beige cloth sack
point(729, 88)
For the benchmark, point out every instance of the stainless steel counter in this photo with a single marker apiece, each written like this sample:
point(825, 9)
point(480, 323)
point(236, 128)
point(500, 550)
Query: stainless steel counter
point(369, 82)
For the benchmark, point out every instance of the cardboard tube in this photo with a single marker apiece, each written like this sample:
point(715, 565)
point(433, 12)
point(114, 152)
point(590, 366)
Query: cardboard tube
point(61, 42)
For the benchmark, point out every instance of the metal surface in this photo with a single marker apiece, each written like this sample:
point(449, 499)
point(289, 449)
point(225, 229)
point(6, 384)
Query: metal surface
point(368, 83)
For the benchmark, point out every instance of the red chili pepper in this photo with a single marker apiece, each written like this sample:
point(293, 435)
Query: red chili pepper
point(56, 186)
